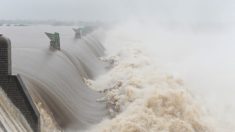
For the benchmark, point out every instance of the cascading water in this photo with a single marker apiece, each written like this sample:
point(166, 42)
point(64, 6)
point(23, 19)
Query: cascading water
point(57, 77)
point(154, 82)
point(168, 80)
point(10, 117)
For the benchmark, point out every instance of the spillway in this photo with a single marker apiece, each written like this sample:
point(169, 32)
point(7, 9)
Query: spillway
point(162, 80)
point(56, 78)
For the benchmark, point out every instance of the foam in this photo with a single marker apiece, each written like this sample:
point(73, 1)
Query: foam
point(143, 98)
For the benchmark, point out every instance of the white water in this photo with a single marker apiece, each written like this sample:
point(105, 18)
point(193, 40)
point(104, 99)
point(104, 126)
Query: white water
point(162, 79)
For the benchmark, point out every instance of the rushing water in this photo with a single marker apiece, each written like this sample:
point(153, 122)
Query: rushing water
point(56, 78)
point(177, 80)
point(10, 117)
point(158, 79)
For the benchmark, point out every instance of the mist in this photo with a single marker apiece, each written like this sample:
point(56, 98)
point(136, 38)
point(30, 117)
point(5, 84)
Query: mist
point(203, 59)
point(189, 39)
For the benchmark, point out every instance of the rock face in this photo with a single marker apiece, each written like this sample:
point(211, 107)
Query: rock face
point(14, 88)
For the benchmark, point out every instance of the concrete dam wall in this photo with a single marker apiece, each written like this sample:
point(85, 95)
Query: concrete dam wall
point(55, 79)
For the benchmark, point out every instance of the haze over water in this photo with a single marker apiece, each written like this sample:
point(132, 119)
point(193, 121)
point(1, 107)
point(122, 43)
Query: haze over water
point(172, 66)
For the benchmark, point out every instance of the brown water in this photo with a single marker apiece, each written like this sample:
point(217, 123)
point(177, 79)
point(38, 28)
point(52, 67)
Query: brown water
point(168, 80)
point(159, 79)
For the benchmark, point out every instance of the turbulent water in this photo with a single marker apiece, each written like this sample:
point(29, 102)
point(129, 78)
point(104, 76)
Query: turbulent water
point(163, 79)
point(141, 97)
point(148, 79)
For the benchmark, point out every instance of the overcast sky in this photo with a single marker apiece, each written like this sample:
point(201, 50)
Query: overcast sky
point(184, 10)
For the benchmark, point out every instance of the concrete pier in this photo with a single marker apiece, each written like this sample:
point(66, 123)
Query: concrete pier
point(14, 87)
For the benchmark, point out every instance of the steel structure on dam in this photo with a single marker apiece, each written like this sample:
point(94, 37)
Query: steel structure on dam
point(14, 87)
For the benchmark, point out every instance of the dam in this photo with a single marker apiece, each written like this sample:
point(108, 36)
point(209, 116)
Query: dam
point(14, 87)
point(127, 79)
point(56, 79)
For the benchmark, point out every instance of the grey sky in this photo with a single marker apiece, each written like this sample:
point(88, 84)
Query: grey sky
point(184, 10)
